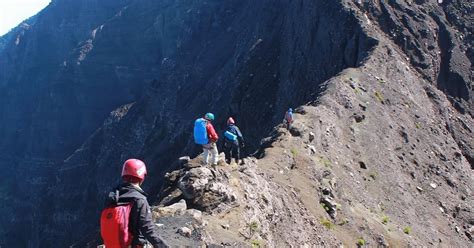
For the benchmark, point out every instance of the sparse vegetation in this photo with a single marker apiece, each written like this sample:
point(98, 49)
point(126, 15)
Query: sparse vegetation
point(381, 81)
point(325, 162)
point(407, 230)
point(256, 243)
point(385, 220)
point(373, 175)
point(327, 223)
point(417, 125)
point(356, 91)
point(360, 242)
point(343, 222)
point(379, 96)
point(325, 207)
point(294, 152)
point(253, 227)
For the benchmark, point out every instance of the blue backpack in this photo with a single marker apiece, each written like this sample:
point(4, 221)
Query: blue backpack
point(230, 136)
point(200, 132)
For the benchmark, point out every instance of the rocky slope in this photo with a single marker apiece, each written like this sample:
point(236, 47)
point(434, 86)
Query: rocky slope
point(392, 135)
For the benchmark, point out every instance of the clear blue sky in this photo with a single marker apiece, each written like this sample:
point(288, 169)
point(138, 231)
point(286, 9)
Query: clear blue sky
point(13, 12)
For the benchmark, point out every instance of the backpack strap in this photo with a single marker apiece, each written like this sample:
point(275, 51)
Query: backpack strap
point(117, 194)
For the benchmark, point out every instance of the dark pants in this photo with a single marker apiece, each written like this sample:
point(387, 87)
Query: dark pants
point(231, 150)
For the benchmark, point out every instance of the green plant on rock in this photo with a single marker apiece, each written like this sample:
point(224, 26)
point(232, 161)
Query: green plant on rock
point(407, 230)
point(253, 227)
point(343, 222)
point(373, 175)
point(294, 152)
point(327, 223)
point(324, 206)
point(379, 96)
point(256, 243)
point(385, 220)
point(360, 242)
point(324, 161)
point(356, 91)
point(417, 125)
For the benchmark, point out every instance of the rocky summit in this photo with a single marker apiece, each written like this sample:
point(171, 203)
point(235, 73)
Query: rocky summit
point(380, 154)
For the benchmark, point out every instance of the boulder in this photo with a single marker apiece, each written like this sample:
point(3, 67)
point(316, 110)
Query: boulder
point(172, 210)
point(185, 231)
point(205, 188)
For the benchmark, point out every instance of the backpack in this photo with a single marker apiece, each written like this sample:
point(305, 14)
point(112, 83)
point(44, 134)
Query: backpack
point(114, 225)
point(200, 132)
point(289, 117)
point(230, 136)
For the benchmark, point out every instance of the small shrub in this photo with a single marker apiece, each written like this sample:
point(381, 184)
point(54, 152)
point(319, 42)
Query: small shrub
point(373, 175)
point(256, 243)
point(379, 96)
point(327, 223)
point(325, 207)
point(294, 152)
point(385, 220)
point(360, 242)
point(253, 227)
point(381, 81)
point(407, 230)
point(325, 162)
point(343, 222)
point(417, 125)
point(356, 91)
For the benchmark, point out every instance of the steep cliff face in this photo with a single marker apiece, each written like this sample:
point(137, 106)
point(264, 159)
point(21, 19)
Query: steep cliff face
point(87, 84)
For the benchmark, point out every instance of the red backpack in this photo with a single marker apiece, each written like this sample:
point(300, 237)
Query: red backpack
point(114, 225)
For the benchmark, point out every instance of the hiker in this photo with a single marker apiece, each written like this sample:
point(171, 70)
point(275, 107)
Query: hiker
point(205, 135)
point(129, 200)
point(233, 140)
point(288, 118)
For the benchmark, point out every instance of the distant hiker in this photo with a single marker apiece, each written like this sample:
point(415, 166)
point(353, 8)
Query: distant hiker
point(232, 142)
point(127, 220)
point(205, 135)
point(288, 118)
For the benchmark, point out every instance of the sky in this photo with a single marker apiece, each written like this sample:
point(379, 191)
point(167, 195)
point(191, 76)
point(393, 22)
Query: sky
point(13, 12)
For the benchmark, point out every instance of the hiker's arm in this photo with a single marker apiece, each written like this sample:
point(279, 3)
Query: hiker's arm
point(148, 227)
point(213, 137)
point(239, 136)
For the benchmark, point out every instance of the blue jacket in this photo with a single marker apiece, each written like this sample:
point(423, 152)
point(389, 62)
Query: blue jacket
point(235, 130)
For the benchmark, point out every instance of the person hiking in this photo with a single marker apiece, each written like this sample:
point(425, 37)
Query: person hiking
point(129, 200)
point(288, 118)
point(205, 135)
point(233, 140)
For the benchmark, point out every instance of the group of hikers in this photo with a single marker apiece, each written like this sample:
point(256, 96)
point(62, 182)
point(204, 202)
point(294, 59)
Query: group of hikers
point(206, 136)
point(126, 221)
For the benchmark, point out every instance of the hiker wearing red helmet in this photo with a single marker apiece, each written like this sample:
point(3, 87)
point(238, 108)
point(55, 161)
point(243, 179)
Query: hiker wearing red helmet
point(232, 142)
point(129, 200)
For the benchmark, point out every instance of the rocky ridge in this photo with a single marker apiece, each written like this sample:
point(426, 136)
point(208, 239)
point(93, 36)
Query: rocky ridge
point(386, 95)
point(353, 169)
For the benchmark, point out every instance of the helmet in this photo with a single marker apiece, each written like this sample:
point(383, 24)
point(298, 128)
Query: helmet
point(230, 121)
point(209, 116)
point(134, 168)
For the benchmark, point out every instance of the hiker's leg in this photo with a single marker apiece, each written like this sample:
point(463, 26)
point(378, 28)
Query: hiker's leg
point(205, 154)
point(214, 154)
point(227, 152)
point(236, 153)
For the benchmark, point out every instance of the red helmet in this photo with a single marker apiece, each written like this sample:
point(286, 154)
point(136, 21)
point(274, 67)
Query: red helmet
point(134, 168)
point(230, 121)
